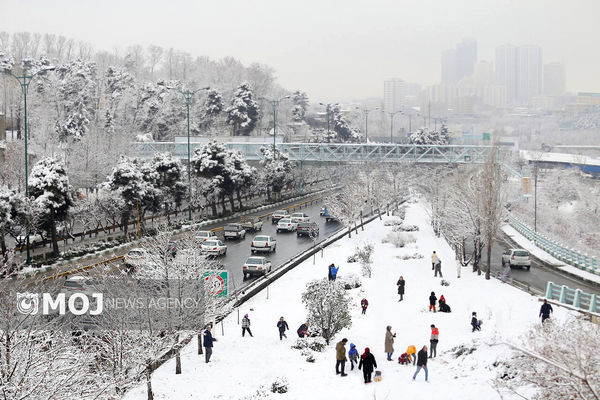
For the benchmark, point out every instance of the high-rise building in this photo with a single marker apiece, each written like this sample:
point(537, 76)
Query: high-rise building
point(507, 70)
point(554, 79)
point(529, 75)
point(466, 57)
point(449, 67)
point(394, 91)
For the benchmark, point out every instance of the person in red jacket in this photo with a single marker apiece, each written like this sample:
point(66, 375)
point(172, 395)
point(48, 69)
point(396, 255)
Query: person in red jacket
point(435, 334)
point(364, 304)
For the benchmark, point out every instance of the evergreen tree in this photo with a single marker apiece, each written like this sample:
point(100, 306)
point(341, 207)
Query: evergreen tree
point(243, 112)
point(328, 307)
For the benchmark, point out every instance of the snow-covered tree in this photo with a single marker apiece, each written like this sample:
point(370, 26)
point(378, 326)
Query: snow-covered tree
point(328, 307)
point(243, 112)
point(7, 61)
point(213, 161)
point(424, 136)
point(168, 177)
point(12, 214)
point(244, 176)
point(300, 102)
point(52, 196)
point(364, 255)
point(277, 170)
point(213, 106)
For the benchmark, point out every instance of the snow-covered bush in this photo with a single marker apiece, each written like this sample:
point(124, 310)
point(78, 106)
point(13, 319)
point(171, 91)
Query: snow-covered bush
point(301, 343)
point(462, 350)
point(364, 255)
point(393, 221)
point(399, 239)
point(350, 281)
point(414, 256)
point(280, 385)
point(406, 228)
point(351, 259)
point(400, 213)
point(444, 282)
point(309, 356)
point(260, 394)
point(317, 344)
point(328, 307)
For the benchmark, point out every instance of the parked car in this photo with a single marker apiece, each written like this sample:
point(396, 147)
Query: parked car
point(263, 243)
point(517, 258)
point(214, 247)
point(286, 224)
point(203, 235)
point(256, 266)
point(252, 224)
point(234, 231)
point(300, 217)
point(135, 258)
point(307, 229)
point(279, 214)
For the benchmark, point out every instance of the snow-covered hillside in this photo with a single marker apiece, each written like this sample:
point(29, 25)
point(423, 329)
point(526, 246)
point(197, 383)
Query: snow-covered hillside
point(241, 365)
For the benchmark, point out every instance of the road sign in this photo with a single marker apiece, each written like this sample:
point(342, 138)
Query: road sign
point(217, 283)
point(486, 136)
point(467, 158)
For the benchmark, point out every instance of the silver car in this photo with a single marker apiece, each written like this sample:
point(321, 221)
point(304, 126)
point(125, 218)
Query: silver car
point(213, 247)
point(256, 266)
point(263, 243)
point(517, 258)
point(286, 224)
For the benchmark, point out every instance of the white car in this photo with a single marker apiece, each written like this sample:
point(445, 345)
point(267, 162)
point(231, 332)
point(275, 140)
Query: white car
point(204, 235)
point(263, 243)
point(517, 258)
point(136, 257)
point(76, 284)
point(214, 247)
point(34, 238)
point(299, 217)
point(286, 224)
point(256, 266)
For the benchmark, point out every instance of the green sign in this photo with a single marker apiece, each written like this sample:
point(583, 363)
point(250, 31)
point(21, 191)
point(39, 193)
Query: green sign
point(217, 283)
point(486, 136)
point(467, 158)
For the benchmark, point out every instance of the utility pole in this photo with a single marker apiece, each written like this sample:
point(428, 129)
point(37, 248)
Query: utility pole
point(392, 115)
point(366, 111)
point(429, 114)
point(275, 104)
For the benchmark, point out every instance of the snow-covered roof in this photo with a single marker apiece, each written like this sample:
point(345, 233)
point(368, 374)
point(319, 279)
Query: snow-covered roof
point(558, 157)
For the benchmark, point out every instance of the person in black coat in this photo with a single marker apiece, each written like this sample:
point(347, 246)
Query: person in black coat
point(432, 300)
point(545, 311)
point(475, 322)
point(400, 285)
point(367, 364)
point(208, 343)
point(282, 325)
point(422, 363)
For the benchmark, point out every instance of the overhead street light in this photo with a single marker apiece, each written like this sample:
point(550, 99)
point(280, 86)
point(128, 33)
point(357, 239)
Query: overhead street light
point(275, 103)
point(366, 111)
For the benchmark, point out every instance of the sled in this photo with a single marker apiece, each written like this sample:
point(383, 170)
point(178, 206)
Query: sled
point(377, 376)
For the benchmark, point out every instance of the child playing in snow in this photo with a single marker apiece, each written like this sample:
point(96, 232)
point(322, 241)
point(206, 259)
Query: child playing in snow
point(353, 356)
point(403, 359)
point(432, 300)
point(475, 323)
point(364, 304)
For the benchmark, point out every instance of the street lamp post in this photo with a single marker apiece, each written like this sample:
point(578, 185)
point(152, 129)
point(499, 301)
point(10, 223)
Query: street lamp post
point(188, 95)
point(24, 82)
point(327, 113)
point(366, 111)
point(275, 104)
point(392, 115)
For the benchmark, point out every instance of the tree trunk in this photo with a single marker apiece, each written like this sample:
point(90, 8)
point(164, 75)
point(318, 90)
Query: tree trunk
point(223, 204)
point(125, 222)
point(232, 201)
point(362, 224)
point(239, 197)
point(148, 381)
point(54, 238)
point(168, 214)
point(177, 356)
point(213, 205)
point(200, 344)
point(350, 231)
point(3, 247)
point(489, 258)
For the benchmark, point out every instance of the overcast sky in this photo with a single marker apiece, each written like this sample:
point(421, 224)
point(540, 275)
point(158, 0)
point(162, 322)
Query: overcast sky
point(333, 49)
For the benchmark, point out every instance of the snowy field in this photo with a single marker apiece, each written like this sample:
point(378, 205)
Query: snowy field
point(241, 365)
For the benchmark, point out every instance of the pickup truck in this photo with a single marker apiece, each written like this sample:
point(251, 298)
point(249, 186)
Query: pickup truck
point(252, 224)
point(234, 231)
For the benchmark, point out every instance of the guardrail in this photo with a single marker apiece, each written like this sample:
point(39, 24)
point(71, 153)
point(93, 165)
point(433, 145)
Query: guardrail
point(573, 297)
point(563, 253)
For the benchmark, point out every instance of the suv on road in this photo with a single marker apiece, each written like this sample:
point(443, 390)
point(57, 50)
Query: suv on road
point(300, 217)
point(307, 229)
point(234, 231)
point(517, 258)
point(279, 214)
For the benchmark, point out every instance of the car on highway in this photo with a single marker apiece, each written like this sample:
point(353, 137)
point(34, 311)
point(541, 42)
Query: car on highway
point(256, 266)
point(234, 231)
point(213, 247)
point(77, 284)
point(251, 224)
point(517, 258)
point(279, 214)
point(286, 224)
point(263, 243)
point(310, 229)
point(299, 217)
point(203, 235)
point(322, 211)
point(135, 258)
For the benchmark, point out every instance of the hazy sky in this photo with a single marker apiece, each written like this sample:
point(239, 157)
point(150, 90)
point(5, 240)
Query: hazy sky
point(333, 49)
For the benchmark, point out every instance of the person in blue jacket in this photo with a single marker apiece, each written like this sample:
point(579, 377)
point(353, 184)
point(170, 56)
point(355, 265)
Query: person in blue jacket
point(334, 272)
point(353, 356)
point(208, 343)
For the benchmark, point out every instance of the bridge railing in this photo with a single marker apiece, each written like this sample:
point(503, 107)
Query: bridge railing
point(561, 252)
point(573, 297)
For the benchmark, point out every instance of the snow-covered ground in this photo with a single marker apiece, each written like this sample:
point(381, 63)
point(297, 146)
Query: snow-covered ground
point(547, 258)
point(240, 365)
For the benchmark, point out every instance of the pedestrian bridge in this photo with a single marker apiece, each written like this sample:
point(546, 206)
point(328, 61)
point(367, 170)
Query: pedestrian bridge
point(334, 152)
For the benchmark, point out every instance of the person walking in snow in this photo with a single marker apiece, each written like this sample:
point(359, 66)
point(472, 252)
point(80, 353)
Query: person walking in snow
point(246, 326)
point(353, 356)
point(283, 326)
point(438, 268)
point(505, 272)
point(364, 303)
point(545, 310)
point(208, 343)
point(411, 352)
point(334, 272)
point(389, 342)
point(433, 340)
point(400, 285)
point(329, 276)
point(475, 322)
point(432, 300)
point(303, 330)
point(367, 363)
point(458, 268)
point(434, 259)
point(422, 363)
point(340, 357)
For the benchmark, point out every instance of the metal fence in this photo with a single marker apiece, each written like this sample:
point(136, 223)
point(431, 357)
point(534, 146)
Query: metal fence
point(573, 297)
point(561, 252)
